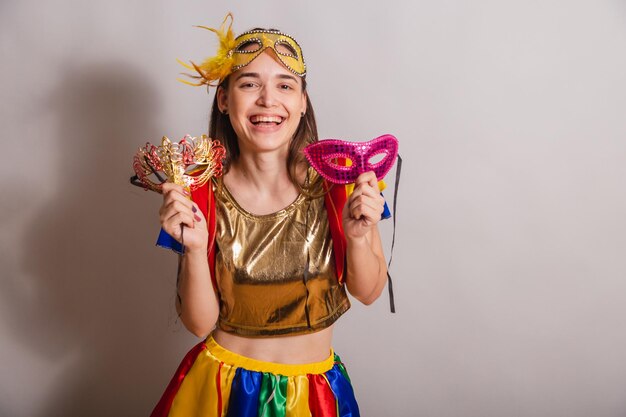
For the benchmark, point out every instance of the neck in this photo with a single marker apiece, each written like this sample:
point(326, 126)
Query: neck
point(260, 183)
point(263, 172)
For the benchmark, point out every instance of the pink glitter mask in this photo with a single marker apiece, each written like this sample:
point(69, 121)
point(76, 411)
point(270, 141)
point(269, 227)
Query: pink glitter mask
point(322, 157)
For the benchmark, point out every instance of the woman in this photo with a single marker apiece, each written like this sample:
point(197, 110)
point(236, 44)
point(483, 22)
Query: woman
point(269, 299)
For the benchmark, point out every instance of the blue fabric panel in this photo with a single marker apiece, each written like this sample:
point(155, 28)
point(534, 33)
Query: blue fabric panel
point(244, 394)
point(343, 392)
point(386, 212)
point(168, 242)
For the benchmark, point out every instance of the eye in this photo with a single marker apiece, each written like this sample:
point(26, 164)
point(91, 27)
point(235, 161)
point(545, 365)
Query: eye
point(247, 84)
point(286, 87)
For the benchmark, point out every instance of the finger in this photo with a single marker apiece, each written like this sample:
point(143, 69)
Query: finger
point(180, 202)
point(366, 190)
point(174, 230)
point(357, 213)
point(175, 197)
point(368, 215)
point(173, 208)
point(172, 224)
point(170, 186)
point(374, 205)
point(367, 178)
point(367, 186)
point(362, 189)
point(174, 190)
point(198, 217)
point(356, 193)
point(178, 218)
point(176, 194)
point(376, 202)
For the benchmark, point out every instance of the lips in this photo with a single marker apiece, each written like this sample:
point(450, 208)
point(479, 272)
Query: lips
point(266, 120)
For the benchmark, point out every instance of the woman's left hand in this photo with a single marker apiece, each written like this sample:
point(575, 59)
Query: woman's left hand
point(364, 207)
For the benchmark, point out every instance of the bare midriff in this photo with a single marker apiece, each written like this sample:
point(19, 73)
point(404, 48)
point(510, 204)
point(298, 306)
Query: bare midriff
point(300, 349)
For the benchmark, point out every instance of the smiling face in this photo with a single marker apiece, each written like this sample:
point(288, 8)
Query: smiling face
point(264, 101)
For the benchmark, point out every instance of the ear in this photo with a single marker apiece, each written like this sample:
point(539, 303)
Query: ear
point(304, 96)
point(222, 99)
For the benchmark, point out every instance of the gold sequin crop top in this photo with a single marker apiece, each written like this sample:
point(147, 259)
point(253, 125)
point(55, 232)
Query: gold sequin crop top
point(260, 269)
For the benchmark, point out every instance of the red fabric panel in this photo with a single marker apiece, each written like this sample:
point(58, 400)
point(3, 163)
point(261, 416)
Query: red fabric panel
point(218, 384)
point(335, 199)
point(205, 199)
point(162, 409)
point(212, 226)
point(322, 401)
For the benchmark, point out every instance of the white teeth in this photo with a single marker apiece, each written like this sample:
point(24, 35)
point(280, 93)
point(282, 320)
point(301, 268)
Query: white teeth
point(266, 119)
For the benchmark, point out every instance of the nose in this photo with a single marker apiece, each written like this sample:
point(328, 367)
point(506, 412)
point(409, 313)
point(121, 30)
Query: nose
point(267, 97)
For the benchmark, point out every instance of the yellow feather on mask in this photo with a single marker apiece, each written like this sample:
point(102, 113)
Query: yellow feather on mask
point(217, 67)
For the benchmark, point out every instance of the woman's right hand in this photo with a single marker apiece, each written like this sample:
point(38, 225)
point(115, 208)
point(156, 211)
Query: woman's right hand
point(177, 209)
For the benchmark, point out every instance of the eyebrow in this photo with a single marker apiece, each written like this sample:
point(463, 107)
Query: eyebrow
point(248, 74)
point(287, 77)
point(256, 75)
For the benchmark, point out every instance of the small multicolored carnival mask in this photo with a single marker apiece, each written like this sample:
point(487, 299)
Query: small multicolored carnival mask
point(235, 53)
point(323, 157)
point(190, 163)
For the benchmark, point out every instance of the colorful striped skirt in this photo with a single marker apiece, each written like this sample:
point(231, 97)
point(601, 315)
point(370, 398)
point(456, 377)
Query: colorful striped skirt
point(214, 382)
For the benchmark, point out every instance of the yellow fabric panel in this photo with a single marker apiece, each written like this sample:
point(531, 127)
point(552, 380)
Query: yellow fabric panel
point(197, 395)
point(237, 361)
point(297, 397)
point(227, 374)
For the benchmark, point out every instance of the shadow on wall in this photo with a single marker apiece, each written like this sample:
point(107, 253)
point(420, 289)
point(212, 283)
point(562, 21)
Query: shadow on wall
point(93, 284)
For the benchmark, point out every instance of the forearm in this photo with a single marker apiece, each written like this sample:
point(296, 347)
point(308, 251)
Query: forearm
point(366, 268)
point(198, 304)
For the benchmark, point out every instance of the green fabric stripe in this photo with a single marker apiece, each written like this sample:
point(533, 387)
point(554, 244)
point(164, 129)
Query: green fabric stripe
point(273, 396)
point(342, 368)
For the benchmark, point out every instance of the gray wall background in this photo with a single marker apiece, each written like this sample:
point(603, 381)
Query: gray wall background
point(510, 258)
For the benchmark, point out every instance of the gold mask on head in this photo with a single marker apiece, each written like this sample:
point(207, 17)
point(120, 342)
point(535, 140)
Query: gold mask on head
point(235, 53)
point(253, 43)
